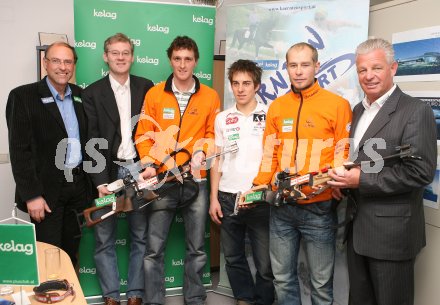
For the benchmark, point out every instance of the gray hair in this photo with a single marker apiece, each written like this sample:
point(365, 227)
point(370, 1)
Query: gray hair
point(373, 44)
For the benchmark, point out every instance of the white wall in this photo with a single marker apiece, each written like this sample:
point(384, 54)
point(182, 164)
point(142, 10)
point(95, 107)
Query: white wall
point(20, 22)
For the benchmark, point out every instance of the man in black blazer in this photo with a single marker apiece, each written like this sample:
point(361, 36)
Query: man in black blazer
point(47, 134)
point(388, 229)
point(112, 105)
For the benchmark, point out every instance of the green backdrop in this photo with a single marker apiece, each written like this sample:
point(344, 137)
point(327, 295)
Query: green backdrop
point(151, 27)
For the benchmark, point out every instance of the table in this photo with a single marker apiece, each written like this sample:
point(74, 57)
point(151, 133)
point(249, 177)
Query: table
point(67, 272)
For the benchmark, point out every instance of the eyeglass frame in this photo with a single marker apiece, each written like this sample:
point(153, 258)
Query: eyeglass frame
point(115, 53)
point(58, 62)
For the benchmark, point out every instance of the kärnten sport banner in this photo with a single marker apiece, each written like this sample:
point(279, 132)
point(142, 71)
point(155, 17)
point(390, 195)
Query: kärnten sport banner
point(151, 26)
point(264, 31)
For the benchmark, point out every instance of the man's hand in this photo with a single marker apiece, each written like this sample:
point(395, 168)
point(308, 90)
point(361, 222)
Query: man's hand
point(345, 179)
point(37, 207)
point(147, 173)
point(198, 160)
point(337, 194)
point(215, 211)
point(103, 191)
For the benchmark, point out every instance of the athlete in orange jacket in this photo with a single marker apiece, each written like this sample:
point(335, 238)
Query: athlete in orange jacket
point(303, 129)
point(178, 114)
point(162, 129)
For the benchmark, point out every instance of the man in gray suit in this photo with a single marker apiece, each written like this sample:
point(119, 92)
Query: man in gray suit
point(388, 229)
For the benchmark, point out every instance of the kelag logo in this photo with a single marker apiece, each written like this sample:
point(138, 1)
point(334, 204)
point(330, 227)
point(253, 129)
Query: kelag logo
point(201, 19)
point(121, 242)
point(147, 60)
point(157, 28)
point(104, 14)
point(85, 44)
point(201, 75)
point(136, 42)
point(87, 270)
point(178, 262)
point(11, 246)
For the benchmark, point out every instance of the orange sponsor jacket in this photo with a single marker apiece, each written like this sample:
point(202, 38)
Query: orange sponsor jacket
point(162, 130)
point(305, 132)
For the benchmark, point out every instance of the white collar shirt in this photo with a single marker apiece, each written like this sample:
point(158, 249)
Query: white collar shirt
point(368, 116)
point(126, 150)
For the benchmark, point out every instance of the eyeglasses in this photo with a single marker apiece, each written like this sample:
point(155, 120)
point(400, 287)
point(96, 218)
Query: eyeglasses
point(117, 53)
point(58, 62)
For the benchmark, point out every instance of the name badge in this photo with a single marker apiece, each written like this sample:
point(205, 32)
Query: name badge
point(287, 125)
point(168, 113)
point(47, 100)
point(287, 128)
point(288, 121)
point(234, 137)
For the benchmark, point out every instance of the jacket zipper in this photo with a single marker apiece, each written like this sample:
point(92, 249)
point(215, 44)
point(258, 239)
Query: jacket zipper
point(180, 122)
point(297, 130)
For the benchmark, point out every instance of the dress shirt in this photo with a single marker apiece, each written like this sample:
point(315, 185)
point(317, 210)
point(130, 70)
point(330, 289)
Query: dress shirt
point(368, 116)
point(122, 94)
point(65, 105)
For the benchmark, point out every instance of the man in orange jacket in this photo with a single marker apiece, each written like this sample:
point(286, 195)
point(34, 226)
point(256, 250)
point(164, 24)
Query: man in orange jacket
point(306, 130)
point(178, 116)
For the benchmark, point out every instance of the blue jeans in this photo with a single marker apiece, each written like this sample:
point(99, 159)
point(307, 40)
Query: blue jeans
point(159, 221)
point(313, 223)
point(255, 222)
point(105, 252)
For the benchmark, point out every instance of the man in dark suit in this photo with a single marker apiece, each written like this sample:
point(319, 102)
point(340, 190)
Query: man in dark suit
point(388, 229)
point(47, 133)
point(112, 105)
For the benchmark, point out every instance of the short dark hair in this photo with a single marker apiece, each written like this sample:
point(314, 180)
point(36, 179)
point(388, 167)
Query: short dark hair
point(302, 45)
point(64, 44)
point(244, 65)
point(118, 37)
point(183, 42)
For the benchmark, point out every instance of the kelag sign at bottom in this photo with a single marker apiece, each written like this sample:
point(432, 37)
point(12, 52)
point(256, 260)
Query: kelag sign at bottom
point(18, 252)
point(174, 257)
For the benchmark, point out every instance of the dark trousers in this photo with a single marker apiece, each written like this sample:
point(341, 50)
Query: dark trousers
point(379, 282)
point(60, 228)
point(254, 222)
